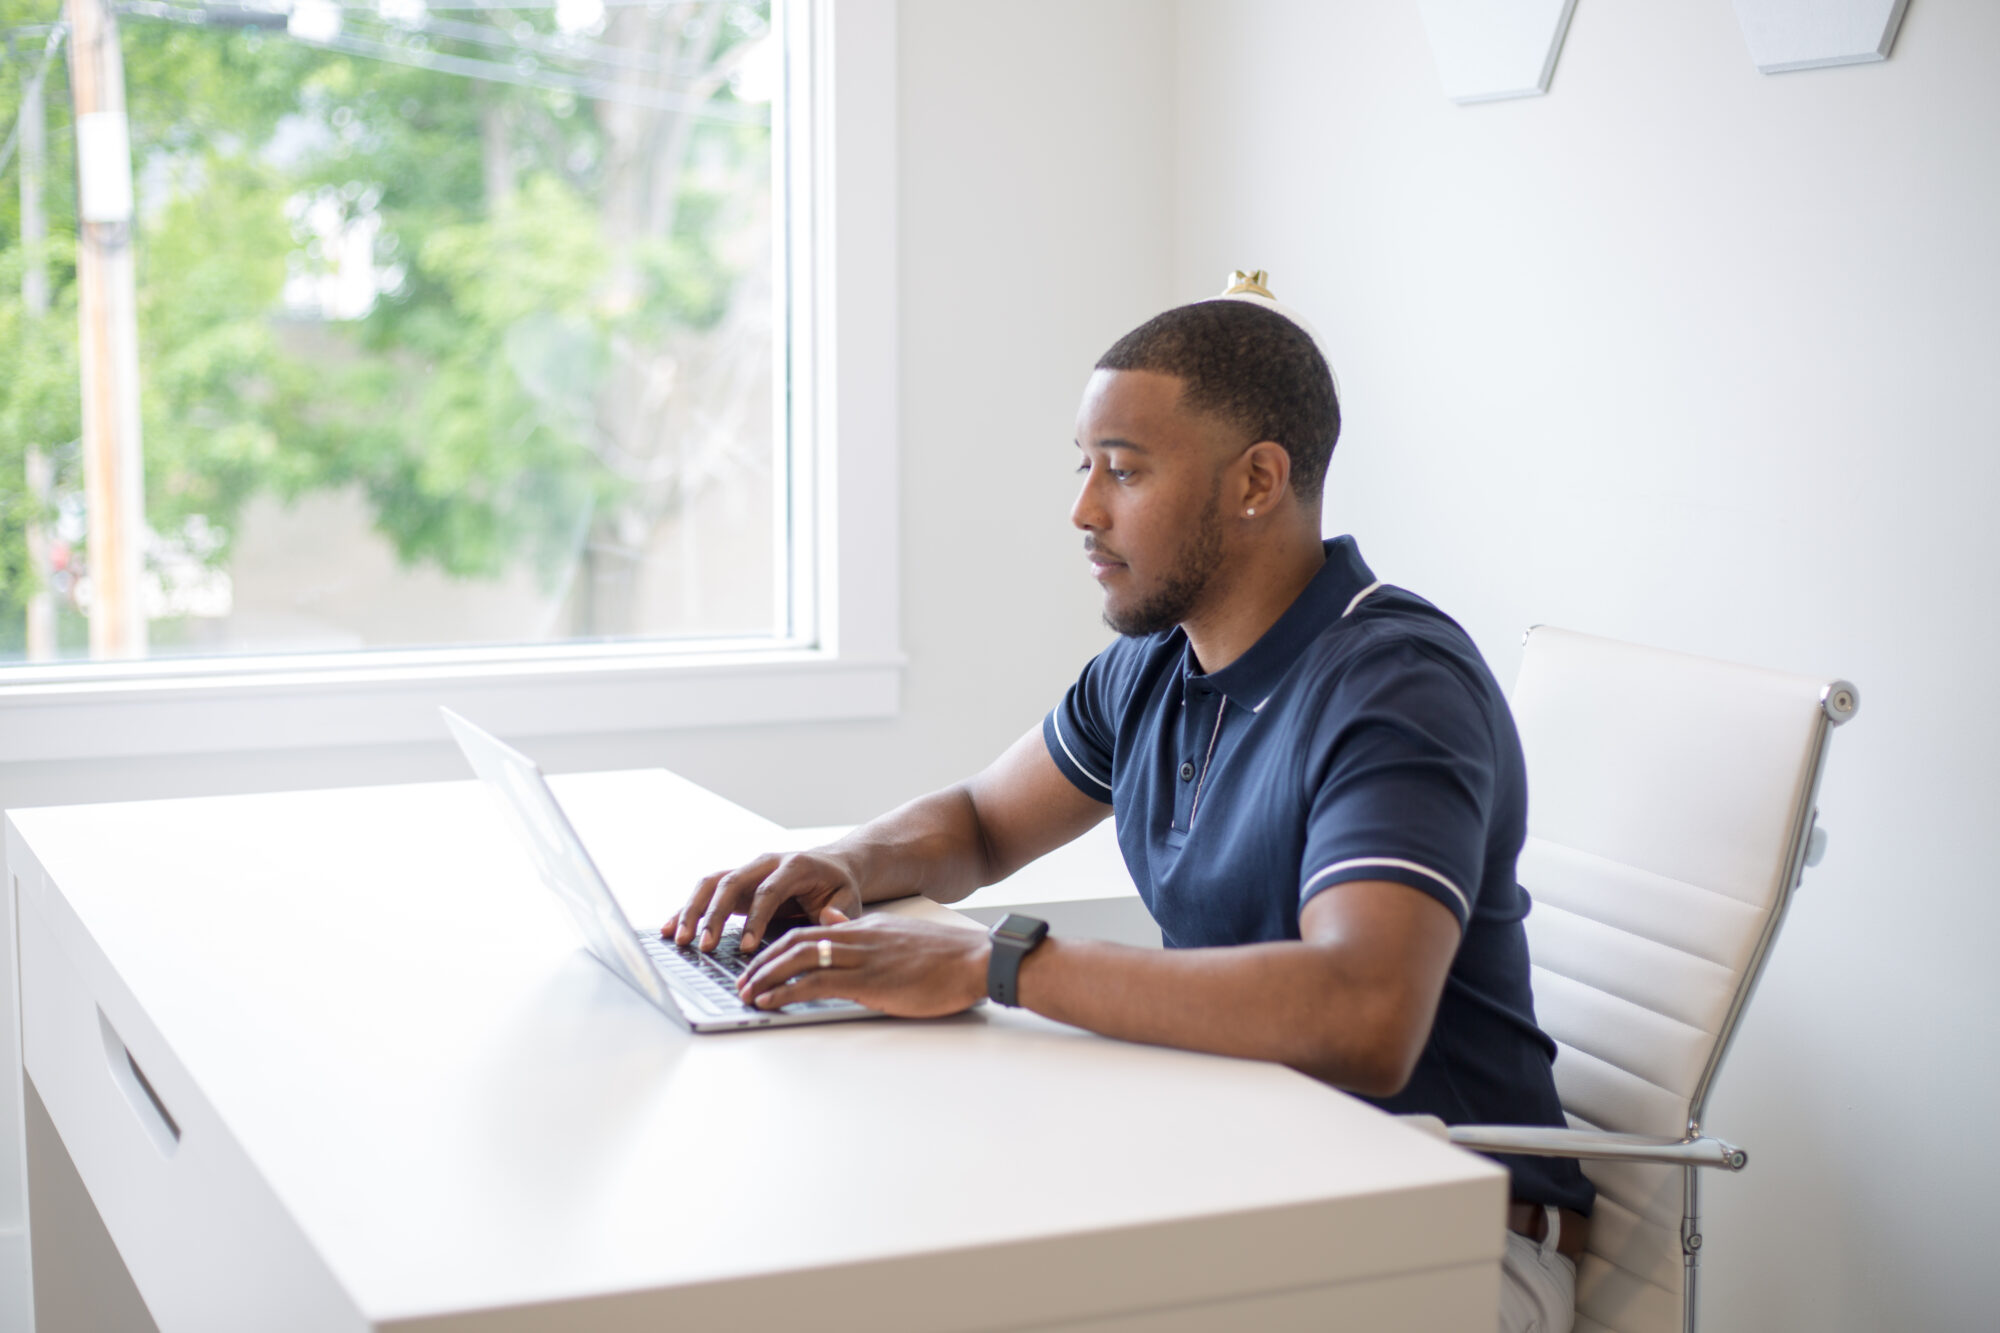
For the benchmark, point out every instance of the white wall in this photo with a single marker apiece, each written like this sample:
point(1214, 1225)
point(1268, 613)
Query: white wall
point(1680, 353)
point(1026, 250)
point(1691, 355)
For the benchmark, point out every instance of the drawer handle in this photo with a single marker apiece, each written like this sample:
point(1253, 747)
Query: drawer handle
point(138, 1090)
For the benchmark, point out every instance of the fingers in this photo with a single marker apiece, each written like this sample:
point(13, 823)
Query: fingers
point(778, 888)
point(832, 984)
point(759, 890)
point(723, 899)
point(798, 878)
point(681, 925)
point(794, 971)
point(915, 969)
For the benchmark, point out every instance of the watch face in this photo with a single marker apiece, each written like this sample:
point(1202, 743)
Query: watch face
point(1013, 926)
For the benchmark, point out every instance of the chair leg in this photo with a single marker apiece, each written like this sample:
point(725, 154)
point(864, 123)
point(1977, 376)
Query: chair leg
point(1690, 1245)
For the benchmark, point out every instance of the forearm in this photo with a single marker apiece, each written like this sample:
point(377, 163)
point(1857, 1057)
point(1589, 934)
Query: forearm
point(971, 833)
point(1288, 1002)
point(933, 846)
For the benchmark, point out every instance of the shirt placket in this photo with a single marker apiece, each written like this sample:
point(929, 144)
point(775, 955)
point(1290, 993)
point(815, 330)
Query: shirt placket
point(1200, 729)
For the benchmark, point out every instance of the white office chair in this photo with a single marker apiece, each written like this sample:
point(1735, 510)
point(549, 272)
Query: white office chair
point(1670, 816)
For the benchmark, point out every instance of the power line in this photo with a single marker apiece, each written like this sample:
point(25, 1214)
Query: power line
point(558, 46)
point(371, 5)
point(535, 75)
point(524, 72)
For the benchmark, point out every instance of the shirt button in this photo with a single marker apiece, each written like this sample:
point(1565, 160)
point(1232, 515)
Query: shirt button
point(1187, 771)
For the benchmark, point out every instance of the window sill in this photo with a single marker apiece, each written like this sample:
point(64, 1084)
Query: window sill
point(191, 708)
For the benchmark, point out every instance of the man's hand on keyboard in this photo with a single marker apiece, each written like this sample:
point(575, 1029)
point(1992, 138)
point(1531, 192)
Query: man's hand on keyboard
point(759, 891)
point(913, 969)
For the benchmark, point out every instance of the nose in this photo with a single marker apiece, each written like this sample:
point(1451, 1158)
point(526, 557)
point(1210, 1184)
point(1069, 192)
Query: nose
point(1088, 511)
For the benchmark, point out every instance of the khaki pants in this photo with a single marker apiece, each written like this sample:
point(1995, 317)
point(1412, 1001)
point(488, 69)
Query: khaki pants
point(1537, 1285)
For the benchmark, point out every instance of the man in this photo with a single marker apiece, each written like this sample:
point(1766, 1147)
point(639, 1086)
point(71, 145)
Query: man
point(1319, 791)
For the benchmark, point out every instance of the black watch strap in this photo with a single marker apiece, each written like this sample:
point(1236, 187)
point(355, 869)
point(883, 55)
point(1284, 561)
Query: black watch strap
point(1014, 938)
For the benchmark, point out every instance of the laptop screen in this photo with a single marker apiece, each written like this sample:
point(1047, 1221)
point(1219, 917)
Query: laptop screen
point(559, 855)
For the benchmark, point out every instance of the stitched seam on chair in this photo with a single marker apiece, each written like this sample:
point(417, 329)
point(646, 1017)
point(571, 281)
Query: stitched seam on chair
point(1637, 1004)
point(1681, 1097)
point(1634, 1274)
point(1671, 1233)
point(1630, 1205)
point(1543, 898)
point(1554, 901)
point(1729, 898)
point(1700, 1033)
point(1643, 939)
point(1595, 989)
point(1650, 874)
point(1635, 935)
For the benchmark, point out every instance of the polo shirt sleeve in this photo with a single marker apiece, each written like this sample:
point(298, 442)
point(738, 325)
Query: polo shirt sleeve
point(1400, 780)
point(1079, 731)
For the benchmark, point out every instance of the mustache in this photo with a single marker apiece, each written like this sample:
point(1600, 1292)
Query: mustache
point(1091, 546)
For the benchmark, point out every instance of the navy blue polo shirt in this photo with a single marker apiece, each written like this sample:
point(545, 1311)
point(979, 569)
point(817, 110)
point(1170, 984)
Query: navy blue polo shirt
point(1361, 738)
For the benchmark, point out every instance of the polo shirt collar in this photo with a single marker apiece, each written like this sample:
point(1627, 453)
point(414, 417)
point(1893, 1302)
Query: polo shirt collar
point(1333, 592)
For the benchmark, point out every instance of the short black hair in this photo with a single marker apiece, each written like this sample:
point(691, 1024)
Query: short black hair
point(1251, 367)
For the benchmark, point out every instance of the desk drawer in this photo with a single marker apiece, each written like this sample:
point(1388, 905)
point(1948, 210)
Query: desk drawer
point(207, 1243)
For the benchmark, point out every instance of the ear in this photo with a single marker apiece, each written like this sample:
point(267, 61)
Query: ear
point(1267, 476)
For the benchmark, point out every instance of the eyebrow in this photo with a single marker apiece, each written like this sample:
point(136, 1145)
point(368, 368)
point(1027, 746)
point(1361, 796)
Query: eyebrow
point(1128, 445)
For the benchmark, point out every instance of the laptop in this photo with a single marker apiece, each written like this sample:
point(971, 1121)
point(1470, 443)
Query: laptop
point(695, 989)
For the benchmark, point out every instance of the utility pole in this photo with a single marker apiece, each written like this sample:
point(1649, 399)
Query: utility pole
point(108, 333)
point(35, 297)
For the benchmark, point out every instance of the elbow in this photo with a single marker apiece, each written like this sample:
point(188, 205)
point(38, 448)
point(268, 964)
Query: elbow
point(1383, 1073)
point(1365, 1025)
point(1371, 1060)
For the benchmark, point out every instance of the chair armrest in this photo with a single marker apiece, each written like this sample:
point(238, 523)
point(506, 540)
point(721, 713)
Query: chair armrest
point(1595, 1145)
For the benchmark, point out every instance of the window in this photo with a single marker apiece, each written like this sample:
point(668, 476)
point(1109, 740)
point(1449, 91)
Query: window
point(485, 354)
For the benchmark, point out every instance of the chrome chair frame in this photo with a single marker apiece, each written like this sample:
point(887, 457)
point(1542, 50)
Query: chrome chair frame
point(1695, 1150)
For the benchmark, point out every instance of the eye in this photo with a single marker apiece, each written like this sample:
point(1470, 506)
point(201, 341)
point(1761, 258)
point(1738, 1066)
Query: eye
point(1120, 473)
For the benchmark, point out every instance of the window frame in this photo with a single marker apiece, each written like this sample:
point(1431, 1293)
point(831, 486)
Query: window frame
point(843, 659)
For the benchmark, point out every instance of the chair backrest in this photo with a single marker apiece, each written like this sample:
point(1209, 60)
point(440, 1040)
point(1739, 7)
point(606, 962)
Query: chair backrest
point(1670, 809)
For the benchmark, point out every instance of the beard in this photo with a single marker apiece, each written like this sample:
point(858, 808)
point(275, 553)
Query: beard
point(1175, 599)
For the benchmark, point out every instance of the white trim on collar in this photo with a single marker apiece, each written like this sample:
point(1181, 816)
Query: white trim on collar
point(1343, 615)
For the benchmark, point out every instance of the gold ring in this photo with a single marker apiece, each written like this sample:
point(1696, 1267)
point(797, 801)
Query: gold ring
point(826, 953)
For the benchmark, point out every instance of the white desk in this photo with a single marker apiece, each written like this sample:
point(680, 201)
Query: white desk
point(404, 1098)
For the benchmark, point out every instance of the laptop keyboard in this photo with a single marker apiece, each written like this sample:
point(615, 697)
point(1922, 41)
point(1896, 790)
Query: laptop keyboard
point(714, 975)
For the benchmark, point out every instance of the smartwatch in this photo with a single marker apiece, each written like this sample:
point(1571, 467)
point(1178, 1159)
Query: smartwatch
point(1014, 938)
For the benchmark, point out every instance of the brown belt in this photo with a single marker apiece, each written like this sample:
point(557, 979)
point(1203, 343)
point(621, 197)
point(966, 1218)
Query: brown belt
point(1528, 1219)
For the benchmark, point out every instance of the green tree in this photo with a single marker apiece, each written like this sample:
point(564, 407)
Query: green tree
point(549, 260)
